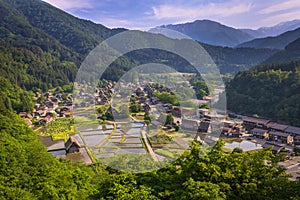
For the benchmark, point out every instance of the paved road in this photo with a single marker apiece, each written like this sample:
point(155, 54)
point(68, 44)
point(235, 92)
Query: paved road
point(148, 146)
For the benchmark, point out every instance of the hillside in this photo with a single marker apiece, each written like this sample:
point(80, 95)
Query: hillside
point(291, 52)
point(233, 60)
point(270, 91)
point(211, 32)
point(30, 58)
point(77, 34)
point(278, 42)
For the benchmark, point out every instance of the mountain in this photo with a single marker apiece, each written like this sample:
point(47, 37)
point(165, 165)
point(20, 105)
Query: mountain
point(41, 46)
point(273, 30)
point(278, 42)
point(270, 91)
point(211, 32)
point(30, 58)
point(77, 34)
point(290, 53)
point(233, 60)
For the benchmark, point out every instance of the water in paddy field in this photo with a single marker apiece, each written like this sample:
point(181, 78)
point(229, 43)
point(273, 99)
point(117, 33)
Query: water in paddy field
point(245, 145)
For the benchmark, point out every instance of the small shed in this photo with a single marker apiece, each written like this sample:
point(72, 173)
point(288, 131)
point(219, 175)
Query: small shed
point(72, 145)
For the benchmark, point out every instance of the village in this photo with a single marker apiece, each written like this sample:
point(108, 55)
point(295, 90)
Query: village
point(158, 126)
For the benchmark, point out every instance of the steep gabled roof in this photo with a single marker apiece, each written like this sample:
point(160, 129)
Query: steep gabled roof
point(72, 140)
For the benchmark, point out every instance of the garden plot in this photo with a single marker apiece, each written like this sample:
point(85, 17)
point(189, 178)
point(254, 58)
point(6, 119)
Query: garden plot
point(93, 140)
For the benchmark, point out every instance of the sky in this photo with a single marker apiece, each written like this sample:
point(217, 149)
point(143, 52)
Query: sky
point(145, 14)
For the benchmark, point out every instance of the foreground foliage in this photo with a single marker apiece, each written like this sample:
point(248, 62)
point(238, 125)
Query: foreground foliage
point(29, 172)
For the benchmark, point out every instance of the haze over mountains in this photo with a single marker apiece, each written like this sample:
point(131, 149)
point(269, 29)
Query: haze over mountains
point(215, 33)
point(211, 32)
point(273, 30)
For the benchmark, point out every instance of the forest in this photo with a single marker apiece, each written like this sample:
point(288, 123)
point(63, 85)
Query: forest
point(270, 91)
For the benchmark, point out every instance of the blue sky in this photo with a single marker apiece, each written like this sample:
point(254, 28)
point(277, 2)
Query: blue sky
point(144, 14)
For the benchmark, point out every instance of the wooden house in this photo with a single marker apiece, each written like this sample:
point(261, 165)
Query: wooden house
point(251, 123)
point(273, 126)
point(260, 133)
point(72, 145)
point(276, 149)
point(280, 137)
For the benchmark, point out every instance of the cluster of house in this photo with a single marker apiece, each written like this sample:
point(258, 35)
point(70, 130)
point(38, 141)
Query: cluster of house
point(47, 107)
point(272, 131)
point(104, 93)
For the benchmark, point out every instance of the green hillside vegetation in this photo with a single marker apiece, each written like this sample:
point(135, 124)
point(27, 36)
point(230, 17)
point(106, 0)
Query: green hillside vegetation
point(29, 57)
point(270, 91)
point(29, 172)
point(233, 60)
point(77, 34)
point(13, 98)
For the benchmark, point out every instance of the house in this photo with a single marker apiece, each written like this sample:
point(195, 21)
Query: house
point(251, 122)
point(203, 112)
point(176, 112)
point(23, 114)
point(72, 145)
point(46, 120)
point(293, 130)
point(39, 113)
point(154, 100)
point(203, 127)
point(273, 126)
point(260, 133)
point(168, 107)
point(49, 104)
point(297, 141)
point(146, 107)
point(276, 149)
point(189, 124)
point(280, 137)
point(28, 121)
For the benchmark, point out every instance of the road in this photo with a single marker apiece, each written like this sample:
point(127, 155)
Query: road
point(148, 146)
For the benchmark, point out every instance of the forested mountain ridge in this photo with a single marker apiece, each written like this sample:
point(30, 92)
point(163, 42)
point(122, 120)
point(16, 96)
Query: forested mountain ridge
point(233, 60)
point(278, 42)
point(77, 34)
point(31, 58)
point(270, 91)
point(290, 53)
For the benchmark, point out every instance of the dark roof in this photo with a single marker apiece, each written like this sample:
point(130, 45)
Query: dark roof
point(279, 133)
point(293, 129)
point(72, 140)
point(259, 130)
point(256, 120)
point(52, 145)
point(275, 146)
point(277, 126)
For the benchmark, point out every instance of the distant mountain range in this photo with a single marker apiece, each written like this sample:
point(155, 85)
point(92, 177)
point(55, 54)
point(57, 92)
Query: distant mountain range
point(214, 33)
point(211, 32)
point(273, 30)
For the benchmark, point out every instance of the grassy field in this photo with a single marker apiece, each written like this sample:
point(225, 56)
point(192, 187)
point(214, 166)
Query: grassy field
point(59, 129)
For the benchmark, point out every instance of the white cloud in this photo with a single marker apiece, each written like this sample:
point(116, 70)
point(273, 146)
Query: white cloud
point(70, 4)
point(275, 19)
point(183, 12)
point(291, 4)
